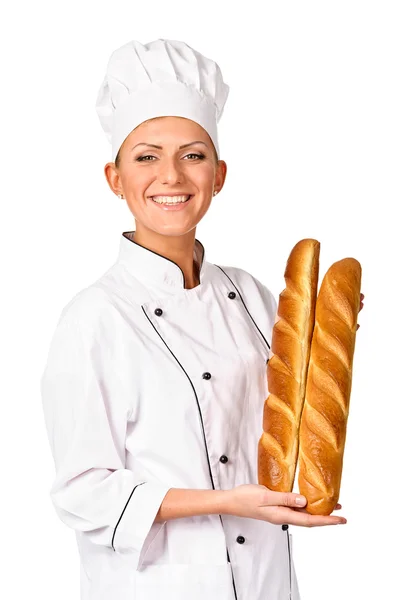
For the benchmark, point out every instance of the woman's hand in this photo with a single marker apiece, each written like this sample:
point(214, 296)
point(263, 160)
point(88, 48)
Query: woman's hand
point(258, 502)
point(361, 306)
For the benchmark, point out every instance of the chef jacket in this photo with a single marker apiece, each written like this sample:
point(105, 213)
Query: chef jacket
point(150, 386)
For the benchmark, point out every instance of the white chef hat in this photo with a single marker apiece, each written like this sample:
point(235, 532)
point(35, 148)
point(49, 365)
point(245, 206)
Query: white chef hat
point(161, 78)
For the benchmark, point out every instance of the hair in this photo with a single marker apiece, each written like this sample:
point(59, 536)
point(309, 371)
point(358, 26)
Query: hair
point(118, 157)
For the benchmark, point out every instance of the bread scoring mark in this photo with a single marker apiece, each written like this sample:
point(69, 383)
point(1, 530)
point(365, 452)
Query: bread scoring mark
point(285, 327)
point(319, 501)
point(334, 298)
point(300, 294)
point(318, 424)
point(328, 386)
point(332, 345)
point(313, 477)
point(277, 404)
point(279, 454)
point(270, 443)
point(280, 365)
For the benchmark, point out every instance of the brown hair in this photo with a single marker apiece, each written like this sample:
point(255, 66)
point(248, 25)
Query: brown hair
point(118, 158)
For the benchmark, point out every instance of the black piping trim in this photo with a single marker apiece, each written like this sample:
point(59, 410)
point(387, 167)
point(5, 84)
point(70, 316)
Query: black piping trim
point(238, 291)
point(232, 574)
point(202, 425)
point(289, 561)
point(195, 393)
point(169, 259)
point(112, 542)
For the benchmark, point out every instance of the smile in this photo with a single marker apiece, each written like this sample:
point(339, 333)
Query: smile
point(171, 199)
point(167, 204)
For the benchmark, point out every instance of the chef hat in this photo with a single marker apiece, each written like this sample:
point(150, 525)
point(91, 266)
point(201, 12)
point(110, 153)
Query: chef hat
point(161, 78)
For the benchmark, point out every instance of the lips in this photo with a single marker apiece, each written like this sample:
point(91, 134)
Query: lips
point(167, 196)
point(172, 206)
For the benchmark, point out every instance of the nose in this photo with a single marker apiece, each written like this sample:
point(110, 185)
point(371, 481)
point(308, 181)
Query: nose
point(170, 170)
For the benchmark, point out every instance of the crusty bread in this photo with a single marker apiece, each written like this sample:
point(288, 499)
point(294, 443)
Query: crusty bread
point(287, 368)
point(324, 418)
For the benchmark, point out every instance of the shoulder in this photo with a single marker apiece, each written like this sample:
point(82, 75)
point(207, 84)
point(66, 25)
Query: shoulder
point(76, 338)
point(86, 308)
point(99, 310)
point(83, 305)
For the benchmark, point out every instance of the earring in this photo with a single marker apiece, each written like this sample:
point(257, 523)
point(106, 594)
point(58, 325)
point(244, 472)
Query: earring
point(214, 193)
point(120, 196)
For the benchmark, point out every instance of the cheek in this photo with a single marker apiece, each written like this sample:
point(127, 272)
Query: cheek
point(203, 177)
point(138, 180)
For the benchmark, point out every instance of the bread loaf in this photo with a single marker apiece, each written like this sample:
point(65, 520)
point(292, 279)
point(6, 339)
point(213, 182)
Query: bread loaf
point(287, 368)
point(324, 418)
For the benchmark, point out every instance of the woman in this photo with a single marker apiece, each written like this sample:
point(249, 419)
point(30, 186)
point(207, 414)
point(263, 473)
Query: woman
point(155, 381)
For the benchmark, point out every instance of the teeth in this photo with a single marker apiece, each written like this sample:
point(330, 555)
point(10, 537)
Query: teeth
point(170, 199)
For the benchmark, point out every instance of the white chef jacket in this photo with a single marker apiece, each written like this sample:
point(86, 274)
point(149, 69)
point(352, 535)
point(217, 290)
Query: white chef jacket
point(150, 386)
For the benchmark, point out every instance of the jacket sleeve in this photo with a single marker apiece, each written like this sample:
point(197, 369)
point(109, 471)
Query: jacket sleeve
point(93, 492)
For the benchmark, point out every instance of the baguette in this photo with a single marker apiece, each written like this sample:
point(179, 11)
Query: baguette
point(324, 418)
point(287, 368)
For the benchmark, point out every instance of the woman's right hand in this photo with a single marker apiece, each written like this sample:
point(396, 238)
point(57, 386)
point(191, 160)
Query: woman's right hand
point(258, 502)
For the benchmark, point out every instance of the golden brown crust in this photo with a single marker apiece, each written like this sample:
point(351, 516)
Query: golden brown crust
point(324, 418)
point(287, 368)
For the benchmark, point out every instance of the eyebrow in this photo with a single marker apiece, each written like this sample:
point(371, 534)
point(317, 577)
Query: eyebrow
point(160, 147)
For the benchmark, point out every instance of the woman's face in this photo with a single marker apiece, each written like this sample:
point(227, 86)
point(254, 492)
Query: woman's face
point(145, 171)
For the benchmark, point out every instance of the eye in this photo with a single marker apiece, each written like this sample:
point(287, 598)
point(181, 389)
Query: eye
point(141, 158)
point(200, 156)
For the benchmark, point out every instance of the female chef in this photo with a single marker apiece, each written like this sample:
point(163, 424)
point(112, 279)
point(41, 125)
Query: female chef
point(155, 380)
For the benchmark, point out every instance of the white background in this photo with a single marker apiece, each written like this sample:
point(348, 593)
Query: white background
point(310, 134)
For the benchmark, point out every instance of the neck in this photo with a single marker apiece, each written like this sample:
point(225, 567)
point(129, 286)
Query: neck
point(179, 249)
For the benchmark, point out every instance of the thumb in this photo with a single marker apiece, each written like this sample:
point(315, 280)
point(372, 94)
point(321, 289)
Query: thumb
point(284, 499)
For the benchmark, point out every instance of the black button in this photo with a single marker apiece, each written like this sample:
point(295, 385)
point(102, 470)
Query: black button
point(158, 312)
point(232, 295)
point(240, 539)
point(284, 527)
point(267, 360)
point(223, 459)
point(206, 375)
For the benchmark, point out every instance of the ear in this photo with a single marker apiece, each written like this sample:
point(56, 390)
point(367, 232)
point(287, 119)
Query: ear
point(220, 175)
point(113, 178)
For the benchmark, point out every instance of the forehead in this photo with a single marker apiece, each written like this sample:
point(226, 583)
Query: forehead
point(172, 130)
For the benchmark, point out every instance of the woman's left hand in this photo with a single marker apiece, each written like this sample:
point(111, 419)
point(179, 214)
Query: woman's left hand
point(361, 306)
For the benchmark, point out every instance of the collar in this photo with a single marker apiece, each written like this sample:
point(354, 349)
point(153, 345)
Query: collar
point(151, 267)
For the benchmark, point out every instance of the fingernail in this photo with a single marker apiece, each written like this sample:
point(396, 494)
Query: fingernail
point(301, 500)
point(341, 522)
